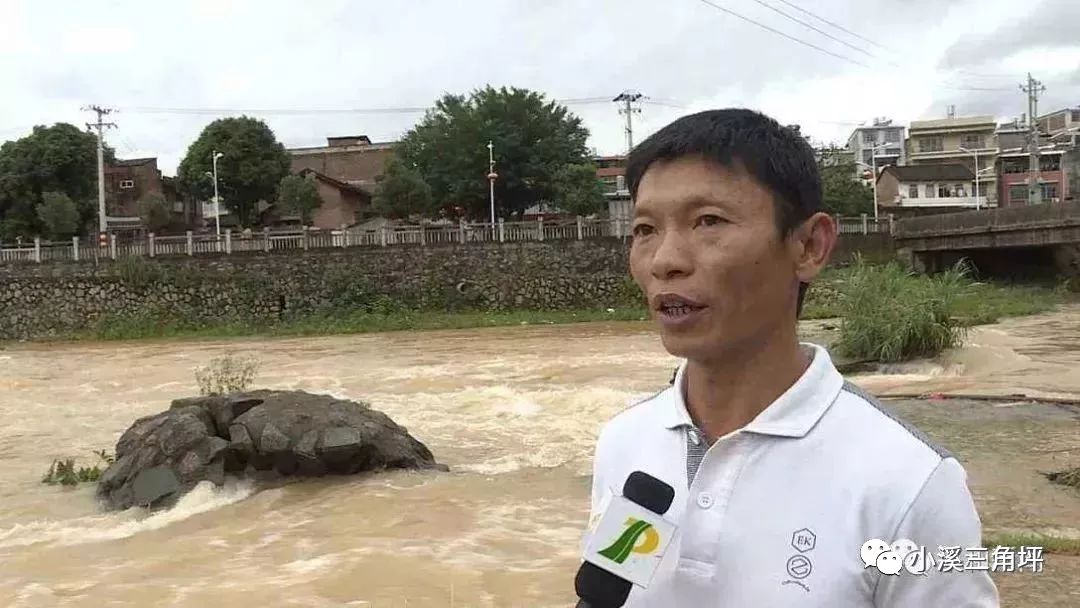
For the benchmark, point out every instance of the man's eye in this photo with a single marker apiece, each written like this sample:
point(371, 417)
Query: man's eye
point(710, 220)
point(642, 230)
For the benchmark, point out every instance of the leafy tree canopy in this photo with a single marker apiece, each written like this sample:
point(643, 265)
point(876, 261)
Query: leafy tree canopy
point(249, 171)
point(60, 158)
point(401, 191)
point(58, 215)
point(533, 139)
point(155, 212)
point(844, 195)
point(299, 196)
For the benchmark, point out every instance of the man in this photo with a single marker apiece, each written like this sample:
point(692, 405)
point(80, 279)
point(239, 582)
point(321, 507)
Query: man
point(782, 471)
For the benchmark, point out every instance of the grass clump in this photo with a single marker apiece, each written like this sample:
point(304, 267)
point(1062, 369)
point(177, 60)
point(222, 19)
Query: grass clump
point(225, 375)
point(66, 472)
point(1068, 477)
point(891, 314)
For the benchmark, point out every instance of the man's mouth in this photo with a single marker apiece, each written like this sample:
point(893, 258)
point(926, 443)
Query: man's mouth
point(676, 306)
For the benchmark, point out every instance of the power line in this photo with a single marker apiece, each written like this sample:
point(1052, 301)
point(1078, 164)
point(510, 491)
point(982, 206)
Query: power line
point(837, 26)
point(317, 111)
point(818, 30)
point(778, 32)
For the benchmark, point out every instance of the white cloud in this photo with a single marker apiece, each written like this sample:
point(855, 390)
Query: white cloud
point(243, 54)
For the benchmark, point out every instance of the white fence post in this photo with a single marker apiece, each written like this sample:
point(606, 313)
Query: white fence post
point(266, 239)
point(37, 249)
point(112, 246)
point(461, 232)
point(344, 235)
point(579, 228)
point(150, 243)
point(502, 230)
point(190, 244)
point(540, 228)
point(864, 225)
point(423, 241)
point(228, 241)
point(75, 248)
point(891, 223)
point(382, 234)
point(304, 237)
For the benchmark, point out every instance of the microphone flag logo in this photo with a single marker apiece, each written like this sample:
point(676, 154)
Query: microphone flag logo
point(627, 542)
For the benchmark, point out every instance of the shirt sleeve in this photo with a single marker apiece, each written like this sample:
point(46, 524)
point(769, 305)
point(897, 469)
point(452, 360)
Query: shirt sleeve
point(942, 515)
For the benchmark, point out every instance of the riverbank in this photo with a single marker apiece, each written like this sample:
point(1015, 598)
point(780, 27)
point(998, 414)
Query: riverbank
point(975, 304)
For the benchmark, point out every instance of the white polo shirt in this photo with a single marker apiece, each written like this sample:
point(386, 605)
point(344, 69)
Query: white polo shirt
point(775, 513)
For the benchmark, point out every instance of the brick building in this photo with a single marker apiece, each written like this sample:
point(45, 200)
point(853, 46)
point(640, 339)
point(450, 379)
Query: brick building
point(344, 170)
point(127, 181)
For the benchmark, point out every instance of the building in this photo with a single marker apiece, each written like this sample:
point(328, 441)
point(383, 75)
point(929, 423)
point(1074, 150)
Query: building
point(611, 171)
point(353, 159)
point(1062, 126)
point(970, 141)
point(128, 181)
point(343, 204)
point(882, 140)
point(345, 170)
point(928, 188)
point(1013, 166)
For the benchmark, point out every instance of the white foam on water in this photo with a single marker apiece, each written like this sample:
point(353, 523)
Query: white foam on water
point(312, 565)
point(82, 530)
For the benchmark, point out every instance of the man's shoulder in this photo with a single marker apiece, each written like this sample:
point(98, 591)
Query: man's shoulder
point(643, 413)
point(880, 433)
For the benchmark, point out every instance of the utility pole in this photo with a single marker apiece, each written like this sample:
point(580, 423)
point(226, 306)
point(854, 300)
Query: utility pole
point(1033, 88)
point(628, 98)
point(100, 126)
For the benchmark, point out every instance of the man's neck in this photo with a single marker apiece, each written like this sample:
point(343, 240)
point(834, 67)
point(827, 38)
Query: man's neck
point(725, 394)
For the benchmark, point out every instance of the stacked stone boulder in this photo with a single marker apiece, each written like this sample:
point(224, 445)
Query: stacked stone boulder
point(286, 433)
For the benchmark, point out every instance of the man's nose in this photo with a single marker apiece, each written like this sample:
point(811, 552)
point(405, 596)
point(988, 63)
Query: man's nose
point(672, 256)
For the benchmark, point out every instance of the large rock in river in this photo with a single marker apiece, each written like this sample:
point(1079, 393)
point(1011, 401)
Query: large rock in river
point(161, 457)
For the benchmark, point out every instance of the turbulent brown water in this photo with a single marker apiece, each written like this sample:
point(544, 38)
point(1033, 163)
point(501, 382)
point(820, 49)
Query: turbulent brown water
point(513, 411)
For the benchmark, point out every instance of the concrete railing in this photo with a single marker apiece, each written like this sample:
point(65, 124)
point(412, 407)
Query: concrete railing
point(1047, 215)
point(304, 239)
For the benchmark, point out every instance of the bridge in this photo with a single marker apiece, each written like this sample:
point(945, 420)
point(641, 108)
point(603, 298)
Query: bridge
point(1015, 240)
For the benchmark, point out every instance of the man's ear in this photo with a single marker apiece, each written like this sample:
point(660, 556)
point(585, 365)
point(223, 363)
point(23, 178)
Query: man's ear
point(812, 244)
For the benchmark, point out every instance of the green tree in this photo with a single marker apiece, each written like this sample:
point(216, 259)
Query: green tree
point(299, 195)
point(577, 189)
point(58, 215)
point(249, 171)
point(401, 192)
point(155, 212)
point(533, 138)
point(60, 158)
point(844, 195)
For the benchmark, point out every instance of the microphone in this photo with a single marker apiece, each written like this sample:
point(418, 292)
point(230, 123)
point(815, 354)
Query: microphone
point(615, 559)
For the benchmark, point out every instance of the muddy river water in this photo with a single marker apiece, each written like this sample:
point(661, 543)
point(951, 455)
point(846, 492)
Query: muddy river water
point(513, 411)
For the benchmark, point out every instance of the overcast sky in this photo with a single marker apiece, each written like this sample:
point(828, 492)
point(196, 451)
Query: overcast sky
point(56, 57)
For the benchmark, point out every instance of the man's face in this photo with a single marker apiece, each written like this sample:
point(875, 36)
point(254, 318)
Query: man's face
point(709, 256)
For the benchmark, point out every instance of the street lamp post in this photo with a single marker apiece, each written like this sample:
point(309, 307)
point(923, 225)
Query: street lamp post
point(217, 200)
point(974, 153)
point(492, 176)
point(873, 170)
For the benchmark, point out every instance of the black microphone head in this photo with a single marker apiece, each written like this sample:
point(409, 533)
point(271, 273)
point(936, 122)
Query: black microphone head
point(649, 492)
point(599, 588)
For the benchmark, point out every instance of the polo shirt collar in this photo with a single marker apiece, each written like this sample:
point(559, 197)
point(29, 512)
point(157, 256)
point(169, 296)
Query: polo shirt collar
point(793, 414)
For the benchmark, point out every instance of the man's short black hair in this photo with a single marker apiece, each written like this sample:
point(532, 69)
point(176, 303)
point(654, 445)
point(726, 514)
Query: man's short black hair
point(776, 156)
